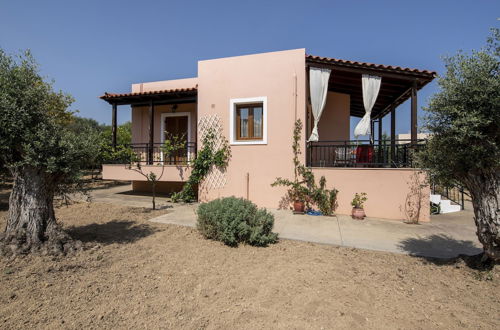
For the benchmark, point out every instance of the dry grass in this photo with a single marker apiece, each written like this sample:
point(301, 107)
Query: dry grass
point(147, 275)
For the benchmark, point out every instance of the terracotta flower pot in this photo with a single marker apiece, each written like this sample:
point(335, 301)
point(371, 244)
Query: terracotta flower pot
point(298, 207)
point(358, 213)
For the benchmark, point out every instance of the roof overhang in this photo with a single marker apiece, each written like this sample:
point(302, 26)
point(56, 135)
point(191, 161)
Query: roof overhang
point(170, 96)
point(395, 88)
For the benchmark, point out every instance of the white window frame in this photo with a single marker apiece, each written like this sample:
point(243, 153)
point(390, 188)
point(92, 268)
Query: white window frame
point(162, 127)
point(232, 119)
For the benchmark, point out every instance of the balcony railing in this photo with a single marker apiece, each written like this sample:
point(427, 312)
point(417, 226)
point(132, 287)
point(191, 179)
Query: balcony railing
point(146, 153)
point(363, 153)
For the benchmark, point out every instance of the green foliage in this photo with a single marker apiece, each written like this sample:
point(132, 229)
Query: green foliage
point(208, 156)
point(35, 124)
point(172, 145)
point(359, 200)
point(123, 134)
point(464, 117)
point(303, 187)
point(81, 124)
point(123, 154)
point(234, 220)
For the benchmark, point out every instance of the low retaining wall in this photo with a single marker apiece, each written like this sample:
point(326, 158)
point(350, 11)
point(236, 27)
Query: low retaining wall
point(388, 190)
point(172, 173)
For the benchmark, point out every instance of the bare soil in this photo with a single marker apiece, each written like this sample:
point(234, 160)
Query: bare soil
point(138, 274)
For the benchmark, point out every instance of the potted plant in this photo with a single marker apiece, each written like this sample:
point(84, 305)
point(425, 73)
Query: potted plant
point(298, 195)
point(358, 212)
point(302, 190)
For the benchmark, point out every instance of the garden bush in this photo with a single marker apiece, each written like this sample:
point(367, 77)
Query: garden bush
point(234, 220)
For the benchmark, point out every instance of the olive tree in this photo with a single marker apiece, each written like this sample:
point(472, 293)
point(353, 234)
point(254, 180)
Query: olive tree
point(44, 156)
point(464, 119)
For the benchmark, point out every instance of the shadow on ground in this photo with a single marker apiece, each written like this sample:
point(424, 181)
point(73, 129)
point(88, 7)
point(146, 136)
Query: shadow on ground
point(450, 250)
point(116, 231)
point(97, 184)
point(140, 193)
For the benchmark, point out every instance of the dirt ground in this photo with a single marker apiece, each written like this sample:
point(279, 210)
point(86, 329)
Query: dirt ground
point(146, 275)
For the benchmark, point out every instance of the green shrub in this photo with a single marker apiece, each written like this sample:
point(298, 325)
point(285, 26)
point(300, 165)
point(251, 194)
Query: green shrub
point(234, 220)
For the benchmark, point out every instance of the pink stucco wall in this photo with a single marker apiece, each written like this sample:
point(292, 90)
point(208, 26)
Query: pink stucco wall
point(334, 123)
point(164, 85)
point(279, 76)
point(387, 190)
point(140, 121)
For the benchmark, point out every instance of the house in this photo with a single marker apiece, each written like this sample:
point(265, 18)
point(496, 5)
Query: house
point(255, 100)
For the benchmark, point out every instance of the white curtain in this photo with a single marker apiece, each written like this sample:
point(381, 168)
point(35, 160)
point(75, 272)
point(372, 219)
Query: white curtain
point(371, 87)
point(318, 87)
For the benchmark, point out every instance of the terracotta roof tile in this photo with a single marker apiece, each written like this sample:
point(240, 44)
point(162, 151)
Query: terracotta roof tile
point(165, 91)
point(369, 65)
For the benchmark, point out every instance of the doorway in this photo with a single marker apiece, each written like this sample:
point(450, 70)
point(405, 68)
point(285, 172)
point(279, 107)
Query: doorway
point(177, 124)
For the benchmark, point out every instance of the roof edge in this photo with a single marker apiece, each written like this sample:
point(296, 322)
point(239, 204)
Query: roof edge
point(389, 68)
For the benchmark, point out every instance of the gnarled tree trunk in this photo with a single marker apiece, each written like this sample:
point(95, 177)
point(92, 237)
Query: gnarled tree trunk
point(31, 224)
point(485, 192)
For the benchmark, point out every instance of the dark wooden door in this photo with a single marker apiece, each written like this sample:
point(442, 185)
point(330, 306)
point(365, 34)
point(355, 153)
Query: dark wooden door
point(177, 126)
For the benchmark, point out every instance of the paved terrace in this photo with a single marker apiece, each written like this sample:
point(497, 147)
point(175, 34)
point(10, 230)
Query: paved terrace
point(447, 235)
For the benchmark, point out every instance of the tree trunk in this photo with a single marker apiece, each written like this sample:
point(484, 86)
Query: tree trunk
point(31, 224)
point(485, 193)
point(154, 194)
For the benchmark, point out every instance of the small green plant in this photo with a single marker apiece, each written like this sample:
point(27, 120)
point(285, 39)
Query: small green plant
point(234, 220)
point(359, 200)
point(172, 144)
point(208, 156)
point(303, 187)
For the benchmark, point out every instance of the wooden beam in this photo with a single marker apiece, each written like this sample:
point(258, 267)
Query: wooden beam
point(113, 126)
point(158, 100)
point(151, 132)
point(400, 99)
point(345, 80)
point(406, 75)
point(414, 113)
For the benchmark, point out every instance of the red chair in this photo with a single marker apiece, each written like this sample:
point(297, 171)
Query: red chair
point(364, 154)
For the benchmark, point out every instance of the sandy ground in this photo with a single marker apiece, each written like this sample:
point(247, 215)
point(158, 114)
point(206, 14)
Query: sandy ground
point(146, 275)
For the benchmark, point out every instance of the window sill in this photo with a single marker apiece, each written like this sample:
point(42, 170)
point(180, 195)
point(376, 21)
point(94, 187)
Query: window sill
point(248, 142)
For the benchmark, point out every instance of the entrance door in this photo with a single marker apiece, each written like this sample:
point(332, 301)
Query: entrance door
point(177, 126)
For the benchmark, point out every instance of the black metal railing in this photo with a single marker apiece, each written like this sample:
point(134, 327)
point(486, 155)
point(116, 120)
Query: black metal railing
point(363, 153)
point(455, 193)
point(146, 153)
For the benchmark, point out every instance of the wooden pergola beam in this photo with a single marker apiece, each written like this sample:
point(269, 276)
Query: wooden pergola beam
point(406, 75)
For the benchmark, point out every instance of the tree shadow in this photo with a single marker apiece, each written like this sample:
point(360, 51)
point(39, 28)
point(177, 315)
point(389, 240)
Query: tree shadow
point(443, 250)
point(103, 184)
point(116, 231)
point(4, 200)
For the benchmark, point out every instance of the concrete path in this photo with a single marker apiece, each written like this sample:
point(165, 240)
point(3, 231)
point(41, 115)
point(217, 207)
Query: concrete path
point(447, 235)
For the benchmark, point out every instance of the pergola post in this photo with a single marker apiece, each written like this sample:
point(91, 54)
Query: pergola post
point(380, 160)
point(151, 132)
point(393, 134)
point(113, 126)
point(414, 113)
point(372, 133)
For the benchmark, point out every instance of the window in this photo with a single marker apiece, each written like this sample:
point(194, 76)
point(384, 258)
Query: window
point(248, 121)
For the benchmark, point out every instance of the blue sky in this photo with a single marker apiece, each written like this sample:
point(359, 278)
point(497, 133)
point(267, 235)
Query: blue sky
point(89, 47)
